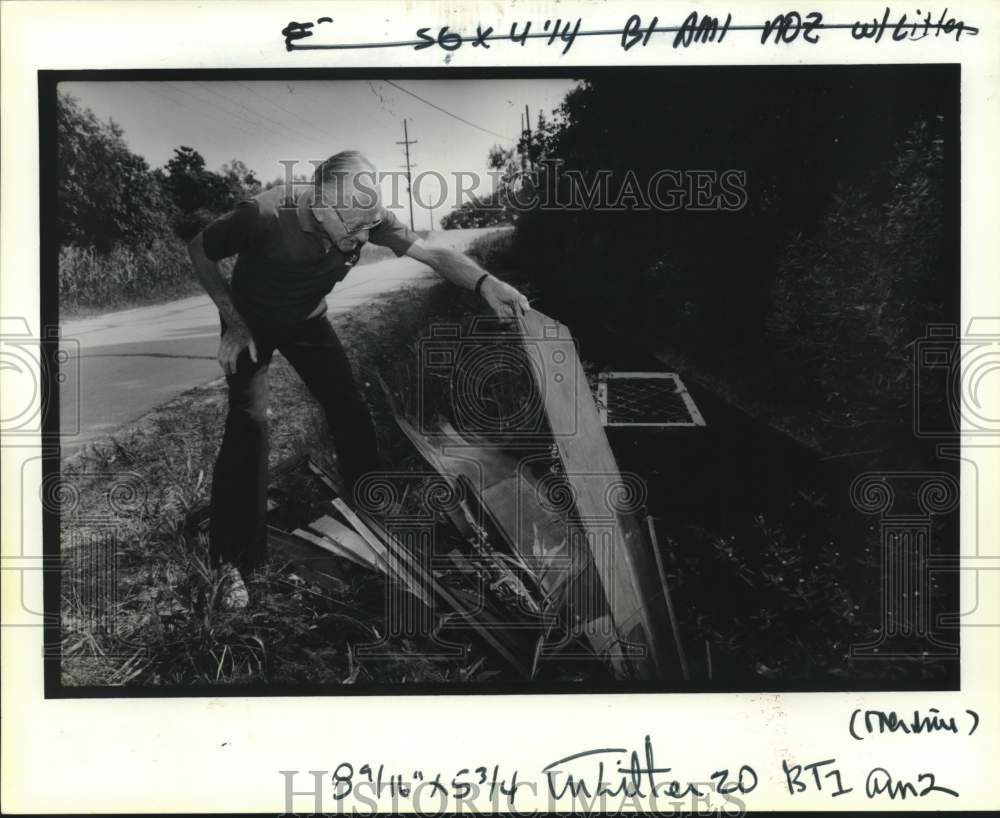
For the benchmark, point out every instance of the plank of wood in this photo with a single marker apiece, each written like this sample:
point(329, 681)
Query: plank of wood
point(399, 565)
point(631, 587)
point(566, 548)
point(347, 538)
point(490, 634)
point(313, 564)
point(322, 540)
point(503, 496)
point(507, 499)
point(325, 477)
point(674, 625)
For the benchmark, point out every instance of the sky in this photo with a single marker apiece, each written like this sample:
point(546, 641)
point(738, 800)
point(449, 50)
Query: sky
point(263, 122)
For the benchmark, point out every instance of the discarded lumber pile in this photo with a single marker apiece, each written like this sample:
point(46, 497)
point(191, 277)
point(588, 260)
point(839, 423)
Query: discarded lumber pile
point(320, 550)
point(549, 555)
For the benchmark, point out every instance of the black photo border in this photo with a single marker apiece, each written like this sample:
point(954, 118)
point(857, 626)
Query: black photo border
point(48, 81)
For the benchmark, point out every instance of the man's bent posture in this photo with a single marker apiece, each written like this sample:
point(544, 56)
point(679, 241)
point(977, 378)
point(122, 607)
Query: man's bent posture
point(292, 247)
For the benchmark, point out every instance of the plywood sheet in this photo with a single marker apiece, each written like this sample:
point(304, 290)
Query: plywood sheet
point(602, 517)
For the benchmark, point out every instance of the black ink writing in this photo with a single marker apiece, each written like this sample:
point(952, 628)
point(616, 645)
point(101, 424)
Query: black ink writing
point(632, 32)
point(821, 771)
point(880, 782)
point(705, 30)
point(783, 29)
point(867, 722)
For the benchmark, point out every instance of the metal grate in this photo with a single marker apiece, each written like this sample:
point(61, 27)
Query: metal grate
point(646, 399)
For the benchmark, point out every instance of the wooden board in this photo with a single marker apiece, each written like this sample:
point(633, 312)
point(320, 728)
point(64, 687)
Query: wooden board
point(362, 557)
point(398, 565)
point(510, 500)
point(506, 494)
point(314, 564)
point(616, 580)
point(494, 636)
point(344, 539)
point(630, 578)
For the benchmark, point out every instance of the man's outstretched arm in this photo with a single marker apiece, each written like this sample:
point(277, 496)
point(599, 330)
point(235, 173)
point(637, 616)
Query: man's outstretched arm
point(463, 272)
point(237, 336)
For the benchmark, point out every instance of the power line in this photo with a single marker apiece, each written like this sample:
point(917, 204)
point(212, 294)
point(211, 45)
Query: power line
point(377, 129)
point(209, 117)
point(445, 111)
point(259, 119)
point(281, 107)
point(381, 99)
point(260, 127)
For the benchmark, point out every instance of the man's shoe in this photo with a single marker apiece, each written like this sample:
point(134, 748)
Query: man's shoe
point(234, 596)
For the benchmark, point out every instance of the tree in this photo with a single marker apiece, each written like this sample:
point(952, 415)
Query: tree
point(516, 170)
point(198, 194)
point(191, 186)
point(240, 181)
point(298, 178)
point(480, 212)
point(106, 193)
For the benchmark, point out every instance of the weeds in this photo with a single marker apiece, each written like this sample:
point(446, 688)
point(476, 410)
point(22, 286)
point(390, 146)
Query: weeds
point(127, 274)
point(161, 621)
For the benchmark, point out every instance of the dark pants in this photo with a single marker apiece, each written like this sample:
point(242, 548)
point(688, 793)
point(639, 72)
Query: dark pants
point(238, 532)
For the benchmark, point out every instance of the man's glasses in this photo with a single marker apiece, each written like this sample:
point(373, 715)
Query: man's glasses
point(352, 231)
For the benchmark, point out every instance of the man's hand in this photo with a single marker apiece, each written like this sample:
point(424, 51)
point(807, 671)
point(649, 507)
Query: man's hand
point(463, 272)
point(236, 336)
point(502, 298)
point(235, 339)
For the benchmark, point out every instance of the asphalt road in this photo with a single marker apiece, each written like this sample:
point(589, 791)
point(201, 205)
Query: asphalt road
point(122, 364)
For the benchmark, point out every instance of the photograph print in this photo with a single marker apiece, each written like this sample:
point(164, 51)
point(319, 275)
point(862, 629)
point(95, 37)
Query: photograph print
point(490, 381)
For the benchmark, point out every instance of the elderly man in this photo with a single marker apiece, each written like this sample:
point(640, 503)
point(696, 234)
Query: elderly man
point(292, 247)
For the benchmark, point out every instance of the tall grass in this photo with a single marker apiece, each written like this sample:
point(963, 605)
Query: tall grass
point(126, 275)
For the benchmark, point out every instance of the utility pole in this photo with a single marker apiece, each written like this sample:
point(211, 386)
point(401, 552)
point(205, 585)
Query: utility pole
point(523, 129)
point(409, 186)
point(527, 130)
point(431, 209)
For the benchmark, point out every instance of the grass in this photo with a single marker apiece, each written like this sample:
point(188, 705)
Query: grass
point(167, 627)
point(92, 282)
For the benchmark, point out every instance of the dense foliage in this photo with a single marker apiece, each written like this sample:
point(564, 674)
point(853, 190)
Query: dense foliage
point(107, 194)
point(121, 225)
point(840, 254)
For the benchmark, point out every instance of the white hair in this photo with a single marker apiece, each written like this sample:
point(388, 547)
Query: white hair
point(350, 177)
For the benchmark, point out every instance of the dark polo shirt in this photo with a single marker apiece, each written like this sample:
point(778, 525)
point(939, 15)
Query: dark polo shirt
point(286, 263)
